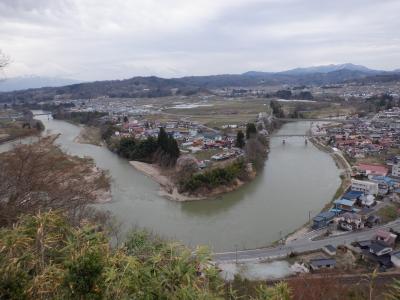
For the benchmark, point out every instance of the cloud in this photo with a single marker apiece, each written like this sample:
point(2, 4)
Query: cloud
point(101, 39)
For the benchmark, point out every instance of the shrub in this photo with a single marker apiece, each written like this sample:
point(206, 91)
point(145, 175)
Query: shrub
point(44, 257)
point(214, 178)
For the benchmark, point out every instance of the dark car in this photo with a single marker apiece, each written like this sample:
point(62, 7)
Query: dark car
point(372, 220)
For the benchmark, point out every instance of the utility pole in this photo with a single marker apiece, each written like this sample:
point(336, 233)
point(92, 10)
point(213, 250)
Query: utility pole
point(236, 254)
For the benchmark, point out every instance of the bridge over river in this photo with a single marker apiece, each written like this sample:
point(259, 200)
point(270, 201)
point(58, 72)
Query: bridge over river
point(338, 120)
point(42, 114)
point(291, 135)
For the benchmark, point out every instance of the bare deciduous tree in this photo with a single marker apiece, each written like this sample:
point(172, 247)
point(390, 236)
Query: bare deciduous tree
point(255, 150)
point(40, 177)
point(185, 167)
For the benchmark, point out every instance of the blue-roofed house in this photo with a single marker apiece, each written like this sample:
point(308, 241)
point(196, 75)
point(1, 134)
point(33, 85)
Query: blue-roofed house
point(344, 204)
point(323, 219)
point(385, 184)
point(385, 179)
point(211, 135)
point(353, 195)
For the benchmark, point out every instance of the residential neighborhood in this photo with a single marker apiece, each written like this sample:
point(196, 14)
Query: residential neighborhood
point(371, 197)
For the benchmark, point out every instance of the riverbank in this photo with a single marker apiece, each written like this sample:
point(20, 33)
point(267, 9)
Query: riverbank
point(98, 180)
point(13, 134)
point(169, 189)
point(5, 138)
point(89, 135)
point(341, 164)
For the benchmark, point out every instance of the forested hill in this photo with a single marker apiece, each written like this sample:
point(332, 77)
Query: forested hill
point(133, 87)
point(158, 87)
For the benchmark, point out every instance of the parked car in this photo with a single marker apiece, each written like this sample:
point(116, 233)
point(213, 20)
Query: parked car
point(372, 221)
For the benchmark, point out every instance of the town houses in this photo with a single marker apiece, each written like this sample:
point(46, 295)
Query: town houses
point(370, 147)
point(192, 137)
point(368, 136)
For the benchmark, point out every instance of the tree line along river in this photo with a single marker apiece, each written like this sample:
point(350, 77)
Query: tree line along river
point(297, 181)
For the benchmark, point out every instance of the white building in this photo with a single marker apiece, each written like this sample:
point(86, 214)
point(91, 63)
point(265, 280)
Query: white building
point(367, 187)
point(396, 170)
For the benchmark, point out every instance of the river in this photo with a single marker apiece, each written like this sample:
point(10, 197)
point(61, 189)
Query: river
point(297, 180)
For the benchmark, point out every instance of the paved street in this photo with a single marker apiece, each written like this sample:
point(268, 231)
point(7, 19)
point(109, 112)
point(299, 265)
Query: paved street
point(301, 245)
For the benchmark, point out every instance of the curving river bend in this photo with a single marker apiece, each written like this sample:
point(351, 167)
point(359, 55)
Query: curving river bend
point(297, 180)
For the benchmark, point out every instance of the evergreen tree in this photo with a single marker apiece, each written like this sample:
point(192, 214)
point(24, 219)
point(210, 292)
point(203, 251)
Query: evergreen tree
point(162, 139)
point(126, 147)
point(240, 139)
point(39, 126)
point(251, 130)
point(173, 149)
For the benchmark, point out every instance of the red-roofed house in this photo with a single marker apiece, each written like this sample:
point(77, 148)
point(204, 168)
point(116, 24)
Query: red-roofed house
point(370, 169)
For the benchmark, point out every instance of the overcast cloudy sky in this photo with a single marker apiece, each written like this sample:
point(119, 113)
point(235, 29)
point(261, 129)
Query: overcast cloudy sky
point(110, 39)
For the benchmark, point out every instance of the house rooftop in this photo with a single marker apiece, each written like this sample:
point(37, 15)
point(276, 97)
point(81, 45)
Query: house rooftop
point(345, 202)
point(320, 262)
point(364, 244)
point(324, 216)
point(385, 179)
point(379, 169)
point(351, 216)
point(384, 234)
point(377, 246)
point(330, 248)
point(383, 260)
point(352, 195)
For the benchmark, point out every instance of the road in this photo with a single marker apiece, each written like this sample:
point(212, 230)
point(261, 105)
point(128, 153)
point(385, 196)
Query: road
point(290, 135)
point(301, 245)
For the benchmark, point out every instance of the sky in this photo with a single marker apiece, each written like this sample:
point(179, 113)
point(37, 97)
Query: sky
point(116, 39)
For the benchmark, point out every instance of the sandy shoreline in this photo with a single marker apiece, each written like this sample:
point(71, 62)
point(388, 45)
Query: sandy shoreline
point(168, 189)
point(89, 135)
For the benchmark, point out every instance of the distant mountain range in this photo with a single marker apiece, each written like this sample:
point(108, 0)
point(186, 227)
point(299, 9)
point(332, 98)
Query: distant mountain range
point(158, 87)
point(32, 82)
point(317, 75)
point(330, 68)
